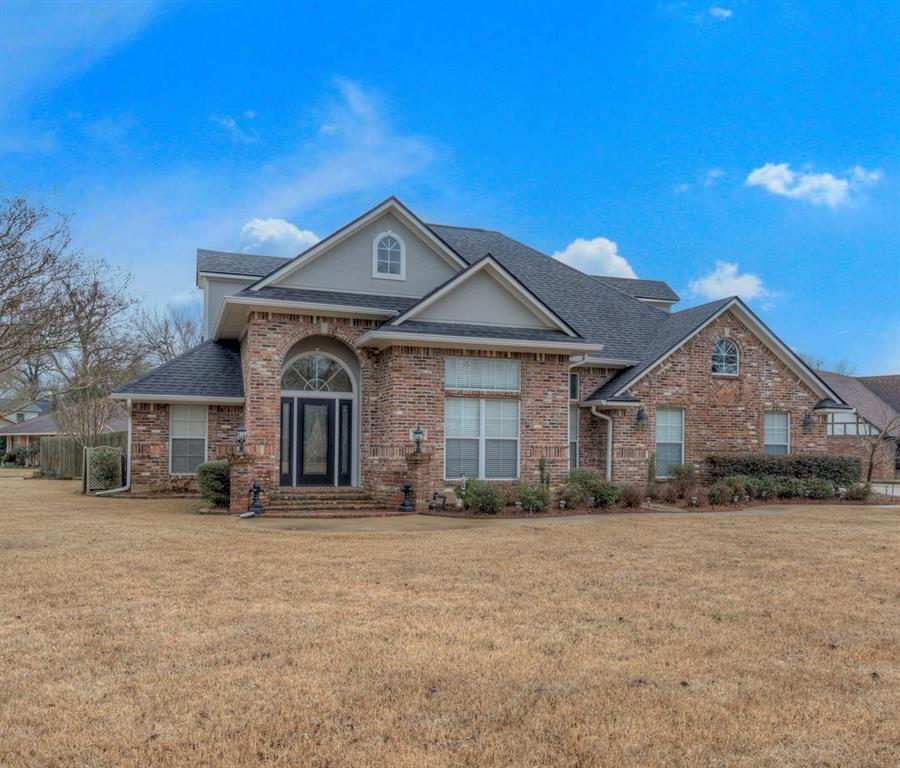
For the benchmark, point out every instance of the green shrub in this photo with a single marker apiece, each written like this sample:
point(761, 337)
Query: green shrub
point(790, 488)
point(741, 485)
point(631, 495)
point(840, 470)
point(858, 491)
point(534, 497)
point(106, 466)
point(761, 487)
point(684, 478)
point(819, 488)
point(214, 482)
point(606, 494)
point(720, 493)
point(482, 498)
point(579, 486)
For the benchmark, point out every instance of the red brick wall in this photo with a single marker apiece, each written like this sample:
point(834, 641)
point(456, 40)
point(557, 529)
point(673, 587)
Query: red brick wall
point(150, 444)
point(884, 467)
point(722, 414)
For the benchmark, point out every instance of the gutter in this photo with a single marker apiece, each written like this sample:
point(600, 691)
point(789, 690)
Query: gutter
point(127, 486)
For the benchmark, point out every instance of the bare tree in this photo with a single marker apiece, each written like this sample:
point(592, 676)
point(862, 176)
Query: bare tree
point(883, 434)
point(31, 377)
point(167, 333)
point(842, 366)
point(34, 256)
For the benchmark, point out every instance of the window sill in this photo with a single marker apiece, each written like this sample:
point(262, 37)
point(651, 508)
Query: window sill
point(725, 375)
point(378, 276)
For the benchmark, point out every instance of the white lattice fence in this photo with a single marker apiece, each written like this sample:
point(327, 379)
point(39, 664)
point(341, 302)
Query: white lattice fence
point(103, 468)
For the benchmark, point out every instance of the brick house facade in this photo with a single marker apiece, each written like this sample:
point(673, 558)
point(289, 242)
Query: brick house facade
point(383, 304)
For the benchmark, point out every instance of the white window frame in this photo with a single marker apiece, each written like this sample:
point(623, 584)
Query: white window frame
point(861, 427)
point(577, 440)
point(483, 360)
point(574, 377)
point(765, 439)
point(482, 440)
point(737, 351)
point(656, 441)
point(381, 275)
point(173, 436)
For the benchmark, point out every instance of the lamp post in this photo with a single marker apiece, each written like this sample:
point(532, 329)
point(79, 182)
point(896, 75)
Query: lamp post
point(241, 438)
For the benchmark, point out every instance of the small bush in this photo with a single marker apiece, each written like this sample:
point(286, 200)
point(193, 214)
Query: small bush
point(741, 485)
point(819, 488)
point(858, 491)
point(482, 498)
point(790, 488)
point(761, 487)
point(720, 494)
point(841, 470)
point(684, 479)
point(631, 496)
point(214, 482)
point(534, 497)
point(606, 495)
point(580, 485)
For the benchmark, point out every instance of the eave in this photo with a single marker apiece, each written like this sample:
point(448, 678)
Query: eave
point(382, 339)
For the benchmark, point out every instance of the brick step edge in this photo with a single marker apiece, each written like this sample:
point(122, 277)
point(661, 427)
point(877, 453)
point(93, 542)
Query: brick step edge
point(337, 515)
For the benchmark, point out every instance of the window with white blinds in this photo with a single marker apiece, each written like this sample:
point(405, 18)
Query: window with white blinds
point(777, 433)
point(187, 443)
point(479, 373)
point(574, 415)
point(481, 438)
point(669, 439)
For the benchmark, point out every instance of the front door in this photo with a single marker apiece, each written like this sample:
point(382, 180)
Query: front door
point(315, 442)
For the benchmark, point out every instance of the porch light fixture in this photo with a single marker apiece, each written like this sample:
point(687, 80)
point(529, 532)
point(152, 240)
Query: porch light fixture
point(418, 436)
point(241, 438)
point(641, 417)
point(807, 423)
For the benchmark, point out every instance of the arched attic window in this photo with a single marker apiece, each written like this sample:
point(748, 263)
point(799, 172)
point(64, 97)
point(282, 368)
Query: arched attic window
point(389, 257)
point(314, 372)
point(725, 358)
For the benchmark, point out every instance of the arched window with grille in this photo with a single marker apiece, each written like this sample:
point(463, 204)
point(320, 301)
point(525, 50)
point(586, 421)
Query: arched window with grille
point(725, 358)
point(389, 257)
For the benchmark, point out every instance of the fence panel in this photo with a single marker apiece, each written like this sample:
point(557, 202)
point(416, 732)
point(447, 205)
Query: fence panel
point(64, 458)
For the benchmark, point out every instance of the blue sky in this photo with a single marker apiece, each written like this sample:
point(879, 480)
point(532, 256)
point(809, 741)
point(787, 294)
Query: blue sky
point(723, 147)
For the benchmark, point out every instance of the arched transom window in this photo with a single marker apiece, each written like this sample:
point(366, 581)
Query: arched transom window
point(725, 358)
point(389, 257)
point(316, 373)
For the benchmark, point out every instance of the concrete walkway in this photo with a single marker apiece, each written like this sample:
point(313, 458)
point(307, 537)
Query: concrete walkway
point(427, 523)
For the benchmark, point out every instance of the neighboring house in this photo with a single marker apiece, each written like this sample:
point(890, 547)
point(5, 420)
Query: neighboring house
point(502, 355)
point(28, 433)
point(851, 433)
point(16, 411)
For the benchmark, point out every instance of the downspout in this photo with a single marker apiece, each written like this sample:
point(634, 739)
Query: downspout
point(127, 485)
point(609, 439)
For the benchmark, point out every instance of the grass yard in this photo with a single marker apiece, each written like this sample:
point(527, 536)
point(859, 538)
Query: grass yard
point(133, 633)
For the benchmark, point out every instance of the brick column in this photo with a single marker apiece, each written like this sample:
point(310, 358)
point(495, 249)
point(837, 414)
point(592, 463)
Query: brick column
point(242, 475)
point(421, 477)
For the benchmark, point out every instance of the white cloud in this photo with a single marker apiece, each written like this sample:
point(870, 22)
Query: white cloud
point(720, 13)
point(815, 188)
point(680, 188)
point(595, 257)
point(726, 280)
point(233, 129)
point(275, 237)
point(711, 175)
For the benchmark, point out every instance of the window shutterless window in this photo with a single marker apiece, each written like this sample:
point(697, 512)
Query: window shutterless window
point(479, 373)
point(187, 442)
point(669, 439)
point(725, 358)
point(573, 386)
point(777, 433)
point(481, 438)
point(574, 416)
point(848, 424)
point(388, 257)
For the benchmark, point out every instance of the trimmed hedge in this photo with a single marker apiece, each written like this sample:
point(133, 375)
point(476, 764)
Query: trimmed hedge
point(840, 470)
point(214, 482)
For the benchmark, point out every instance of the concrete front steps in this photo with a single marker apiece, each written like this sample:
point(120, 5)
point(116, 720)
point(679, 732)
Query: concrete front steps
point(325, 502)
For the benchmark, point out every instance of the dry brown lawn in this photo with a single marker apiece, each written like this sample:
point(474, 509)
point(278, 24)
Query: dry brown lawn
point(134, 633)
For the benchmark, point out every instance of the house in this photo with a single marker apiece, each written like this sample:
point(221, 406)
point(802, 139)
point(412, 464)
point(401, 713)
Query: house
point(27, 434)
point(15, 411)
point(503, 358)
point(876, 404)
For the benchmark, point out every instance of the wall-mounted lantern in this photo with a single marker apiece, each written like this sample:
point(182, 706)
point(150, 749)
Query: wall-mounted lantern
point(641, 417)
point(241, 438)
point(807, 423)
point(418, 435)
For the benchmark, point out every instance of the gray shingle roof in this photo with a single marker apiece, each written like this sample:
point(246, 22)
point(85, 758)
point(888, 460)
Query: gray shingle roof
point(856, 393)
point(211, 369)
point(42, 425)
point(228, 263)
point(316, 296)
point(886, 387)
point(640, 289)
point(482, 331)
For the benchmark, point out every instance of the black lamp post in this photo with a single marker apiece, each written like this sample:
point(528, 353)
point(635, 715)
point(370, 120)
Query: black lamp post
point(418, 436)
point(241, 438)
